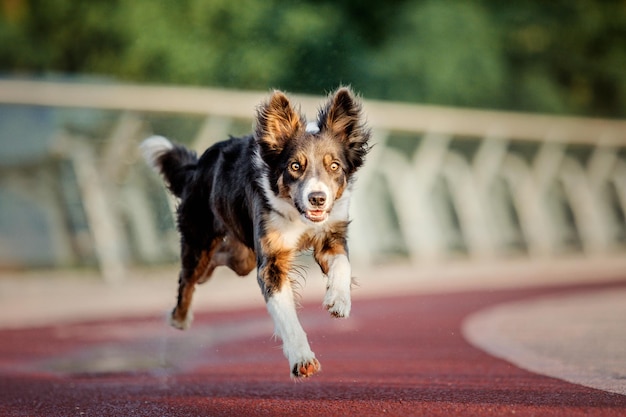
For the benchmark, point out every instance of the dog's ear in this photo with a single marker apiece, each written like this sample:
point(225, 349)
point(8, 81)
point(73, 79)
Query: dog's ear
point(342, 118)
point(277, 122)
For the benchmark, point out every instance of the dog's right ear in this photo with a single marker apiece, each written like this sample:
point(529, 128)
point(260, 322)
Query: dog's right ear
point(277, 122)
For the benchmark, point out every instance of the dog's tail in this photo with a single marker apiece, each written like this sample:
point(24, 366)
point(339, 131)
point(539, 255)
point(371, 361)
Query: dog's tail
point(175, 163)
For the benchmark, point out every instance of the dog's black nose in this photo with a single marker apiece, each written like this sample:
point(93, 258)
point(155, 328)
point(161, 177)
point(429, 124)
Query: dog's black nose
point(317, 198)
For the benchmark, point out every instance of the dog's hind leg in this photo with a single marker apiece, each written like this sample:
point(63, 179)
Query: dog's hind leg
point(197, 266)
point(237, 256)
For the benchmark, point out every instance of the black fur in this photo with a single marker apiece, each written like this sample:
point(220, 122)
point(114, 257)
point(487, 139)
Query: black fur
point(178, 166)
point(242, 201)
point(218, 188)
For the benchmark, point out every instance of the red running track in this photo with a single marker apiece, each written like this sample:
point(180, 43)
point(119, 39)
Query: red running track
point(402, 356)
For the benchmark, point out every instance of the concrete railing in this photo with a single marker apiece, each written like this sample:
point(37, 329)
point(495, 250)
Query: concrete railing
point(440, 182)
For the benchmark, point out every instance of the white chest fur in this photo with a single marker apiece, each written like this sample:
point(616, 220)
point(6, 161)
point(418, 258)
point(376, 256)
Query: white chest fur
point(289, 230)
point(290, 226)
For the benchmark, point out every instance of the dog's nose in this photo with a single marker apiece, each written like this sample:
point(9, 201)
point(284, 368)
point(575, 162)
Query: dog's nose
point(317, 198)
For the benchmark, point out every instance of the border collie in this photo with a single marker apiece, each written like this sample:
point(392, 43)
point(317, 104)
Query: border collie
point(257, 201)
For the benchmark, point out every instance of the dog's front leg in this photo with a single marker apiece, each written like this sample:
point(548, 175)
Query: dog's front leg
point(335, 265)
point(276, 285)
point(281, 307)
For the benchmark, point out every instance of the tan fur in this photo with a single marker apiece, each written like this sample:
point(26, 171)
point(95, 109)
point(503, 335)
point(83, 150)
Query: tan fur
point(186, 286)
point(342, 117)
point(281, 121)
point(327, 246)
point(266, 209)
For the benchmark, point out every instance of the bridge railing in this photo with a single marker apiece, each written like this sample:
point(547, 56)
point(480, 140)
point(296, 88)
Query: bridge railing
point(440, 183)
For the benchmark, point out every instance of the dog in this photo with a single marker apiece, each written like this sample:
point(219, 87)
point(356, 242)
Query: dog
point(257, 201)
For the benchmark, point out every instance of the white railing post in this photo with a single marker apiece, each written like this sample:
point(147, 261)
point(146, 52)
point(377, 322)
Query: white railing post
point(445, 197)
point(100, 212)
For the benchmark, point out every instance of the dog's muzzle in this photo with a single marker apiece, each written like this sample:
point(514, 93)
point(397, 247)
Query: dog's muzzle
point(316, 208)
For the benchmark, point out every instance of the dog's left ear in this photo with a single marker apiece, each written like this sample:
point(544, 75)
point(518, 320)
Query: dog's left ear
point(343, 119)
point(277, 122)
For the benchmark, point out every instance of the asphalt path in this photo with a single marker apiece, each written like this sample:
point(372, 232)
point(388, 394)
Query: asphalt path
point(399, 355)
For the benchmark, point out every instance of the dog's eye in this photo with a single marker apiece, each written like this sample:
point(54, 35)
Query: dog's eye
point(334, 166)
point(295, 166)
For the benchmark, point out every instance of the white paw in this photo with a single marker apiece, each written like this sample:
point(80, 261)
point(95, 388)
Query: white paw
point(301, 359)
point(338, 302)
point(281, 306)
point(304, 368)
point(178, 323)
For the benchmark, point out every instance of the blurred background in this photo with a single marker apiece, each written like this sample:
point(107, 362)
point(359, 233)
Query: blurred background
point(498, 125)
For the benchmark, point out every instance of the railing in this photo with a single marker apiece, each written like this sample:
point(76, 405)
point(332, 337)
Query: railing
point(439, 183)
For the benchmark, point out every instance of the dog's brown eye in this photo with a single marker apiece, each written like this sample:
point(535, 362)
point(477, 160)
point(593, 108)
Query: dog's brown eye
point(334, 166)
point(295, 166)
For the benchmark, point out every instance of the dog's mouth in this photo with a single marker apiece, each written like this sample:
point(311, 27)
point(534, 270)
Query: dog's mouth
point(316, 215)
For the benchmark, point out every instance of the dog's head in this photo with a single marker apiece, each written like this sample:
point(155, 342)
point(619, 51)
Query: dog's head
point(310, 168)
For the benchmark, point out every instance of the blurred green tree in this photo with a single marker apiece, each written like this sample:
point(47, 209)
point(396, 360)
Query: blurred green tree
point(565, 55)
point(443, 53)
point(558, 56)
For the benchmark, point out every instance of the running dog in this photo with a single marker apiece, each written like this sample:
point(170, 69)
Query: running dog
point(257, 201)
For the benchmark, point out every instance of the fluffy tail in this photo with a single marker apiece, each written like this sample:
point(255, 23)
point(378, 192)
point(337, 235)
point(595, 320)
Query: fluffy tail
point(176, 163)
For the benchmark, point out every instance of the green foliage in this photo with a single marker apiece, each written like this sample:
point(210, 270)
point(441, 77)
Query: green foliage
point(442, 52)
point(558, 56)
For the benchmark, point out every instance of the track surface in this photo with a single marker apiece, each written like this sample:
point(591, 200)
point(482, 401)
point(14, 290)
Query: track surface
point(396, 356)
